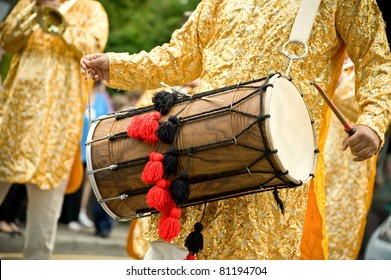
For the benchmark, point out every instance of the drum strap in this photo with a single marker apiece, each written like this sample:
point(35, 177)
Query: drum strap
point(304, 21)
point(301, 29)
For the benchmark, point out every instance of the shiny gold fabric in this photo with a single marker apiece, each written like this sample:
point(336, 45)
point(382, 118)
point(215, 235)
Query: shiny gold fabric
point(225, 42)
point(45, 96)
point(349, 184)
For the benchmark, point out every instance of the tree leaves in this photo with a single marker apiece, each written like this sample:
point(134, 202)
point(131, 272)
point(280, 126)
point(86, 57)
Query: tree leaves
point(137, 25)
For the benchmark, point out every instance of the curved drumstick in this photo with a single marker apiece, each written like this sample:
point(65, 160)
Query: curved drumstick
point(348, 128)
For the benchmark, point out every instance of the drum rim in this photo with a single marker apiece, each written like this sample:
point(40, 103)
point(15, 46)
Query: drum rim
point(278, 161)
point(90, 170)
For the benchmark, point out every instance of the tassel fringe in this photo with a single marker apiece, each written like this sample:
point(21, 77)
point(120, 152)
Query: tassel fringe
point(154, 169)
point(168, 130)
point(163, 101)
point(169, 226)
point(180, 189)
point(159, 197)
point(170, 162)
point(144, 127)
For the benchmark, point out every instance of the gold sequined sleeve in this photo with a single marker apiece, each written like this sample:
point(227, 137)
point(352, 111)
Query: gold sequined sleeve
point(174, 63)
point(87, 30)
point(370, 53)
point(11, 37)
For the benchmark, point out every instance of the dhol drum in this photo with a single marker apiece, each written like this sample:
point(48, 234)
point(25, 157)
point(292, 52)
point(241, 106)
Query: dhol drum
point(246, 138)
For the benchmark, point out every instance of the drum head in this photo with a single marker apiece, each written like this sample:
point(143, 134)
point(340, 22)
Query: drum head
point(290, 130)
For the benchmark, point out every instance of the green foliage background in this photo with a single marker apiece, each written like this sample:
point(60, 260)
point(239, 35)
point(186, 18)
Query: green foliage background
point(137, 25)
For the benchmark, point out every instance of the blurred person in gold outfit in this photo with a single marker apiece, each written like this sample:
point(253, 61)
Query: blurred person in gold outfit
point(349, 184)
point(43, 103)
point(227, 42)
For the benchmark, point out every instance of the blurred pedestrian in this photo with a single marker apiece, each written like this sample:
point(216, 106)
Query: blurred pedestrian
point(11, 209)
point(74, 211)
point(44, 101)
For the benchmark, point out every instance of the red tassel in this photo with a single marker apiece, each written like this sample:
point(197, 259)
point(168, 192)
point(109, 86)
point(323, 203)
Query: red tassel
point(149, 127)
point(133, 129)
point(190, 256)
point(169, 226)
point(154, 169)
point(159, 197)
point(144, 127)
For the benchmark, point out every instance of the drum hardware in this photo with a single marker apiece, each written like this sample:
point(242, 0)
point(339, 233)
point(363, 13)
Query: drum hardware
point(291, 56)
point(110, 167)
point(120, 197)
point(109, 137)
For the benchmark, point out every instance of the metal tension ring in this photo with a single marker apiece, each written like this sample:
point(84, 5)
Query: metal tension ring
point(292, 56)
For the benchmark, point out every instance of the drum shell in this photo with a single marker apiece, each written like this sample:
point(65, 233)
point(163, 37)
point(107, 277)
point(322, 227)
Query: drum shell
point(215, 173)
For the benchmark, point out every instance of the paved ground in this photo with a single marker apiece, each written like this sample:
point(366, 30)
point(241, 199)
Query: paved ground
point(73, 245)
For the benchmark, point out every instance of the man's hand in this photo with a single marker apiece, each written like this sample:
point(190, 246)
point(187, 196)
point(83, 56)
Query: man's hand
point(96, 66)
point(363, 144)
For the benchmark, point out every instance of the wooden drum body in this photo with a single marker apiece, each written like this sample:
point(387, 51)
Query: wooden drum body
point(242, 139)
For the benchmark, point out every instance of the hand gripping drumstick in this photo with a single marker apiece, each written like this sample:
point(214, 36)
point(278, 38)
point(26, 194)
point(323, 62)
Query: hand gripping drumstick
point(348, 128)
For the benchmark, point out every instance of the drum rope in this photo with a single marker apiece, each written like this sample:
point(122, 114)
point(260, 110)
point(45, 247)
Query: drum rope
point(133, 112)
point(221, 196)
point(195, 117)
point(208, 178)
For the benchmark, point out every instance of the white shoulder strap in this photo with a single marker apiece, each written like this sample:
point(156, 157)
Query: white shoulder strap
point(304, 21)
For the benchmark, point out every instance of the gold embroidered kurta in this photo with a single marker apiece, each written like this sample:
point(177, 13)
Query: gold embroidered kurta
point(226, 42)
point(45, 96)
point(349, 184)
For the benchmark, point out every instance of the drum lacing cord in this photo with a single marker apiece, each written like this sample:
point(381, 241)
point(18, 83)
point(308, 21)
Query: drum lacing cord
point(187, 151)
point(245, 170)
point(195, 149)
point(221, 110)
point(278, 200)
point(133, 112)
point(180, 121)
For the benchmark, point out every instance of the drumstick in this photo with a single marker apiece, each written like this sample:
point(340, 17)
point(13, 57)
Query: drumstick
point(88, 94)
point(348, 128)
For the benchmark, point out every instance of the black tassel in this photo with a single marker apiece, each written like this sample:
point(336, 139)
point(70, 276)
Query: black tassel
point(279, 201)
point(180, 189)
point(170, 162)
point(163, 101)
point(167, 130)
point(195, 241)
